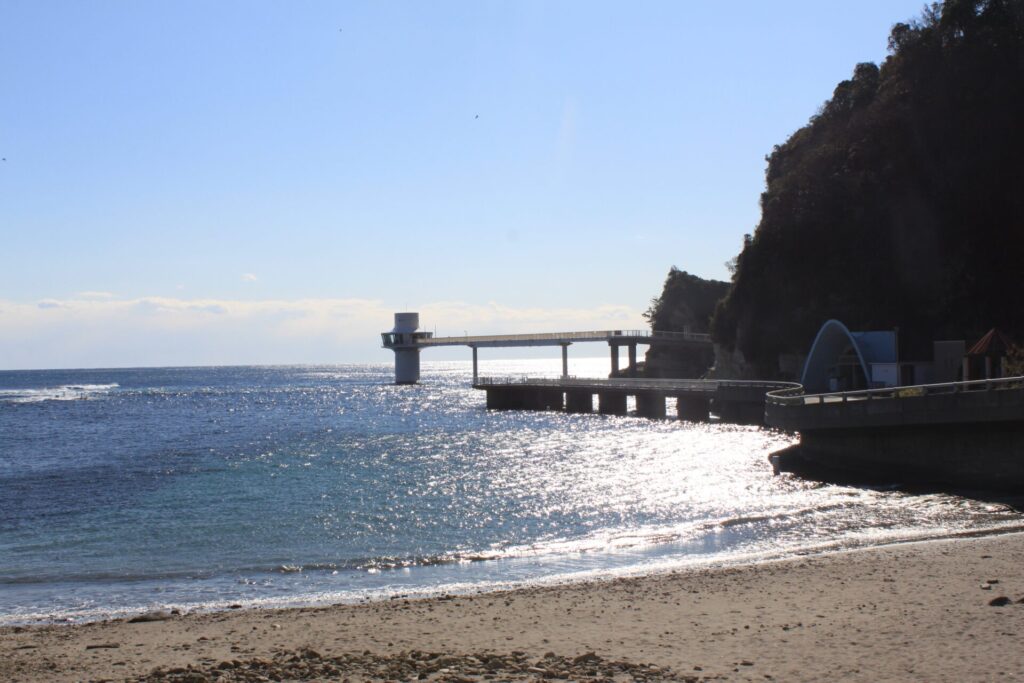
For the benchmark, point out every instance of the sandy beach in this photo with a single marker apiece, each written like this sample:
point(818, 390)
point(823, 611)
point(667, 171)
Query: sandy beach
point(911, 612)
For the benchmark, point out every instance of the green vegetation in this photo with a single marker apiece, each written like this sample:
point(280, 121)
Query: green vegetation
point(900, 204)
point(687, 303)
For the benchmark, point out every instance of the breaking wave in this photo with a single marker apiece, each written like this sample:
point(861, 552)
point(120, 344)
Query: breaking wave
point(64, 392)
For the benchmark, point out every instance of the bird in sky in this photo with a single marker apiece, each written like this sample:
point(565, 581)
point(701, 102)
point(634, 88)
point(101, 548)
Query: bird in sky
point(477, 116)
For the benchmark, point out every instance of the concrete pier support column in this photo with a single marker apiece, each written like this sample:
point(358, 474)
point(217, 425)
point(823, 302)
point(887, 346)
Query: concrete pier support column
point(538, 399)
point(532, 399)
point(615, 359)
point(552, 399)
point(524, 398)
point(752, 414)
point(650, 404)
point(516, 398)
point(693, 408)
point(495, 398)
point(632, 360)
point(506, 398)
point(565, 360)
point(475, 374)
point(579, 401)
point(611, 403)
point(740, 412)
point(407, 366)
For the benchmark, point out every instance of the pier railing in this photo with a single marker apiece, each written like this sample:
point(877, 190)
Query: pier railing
point(688, 385)
point(597, 382)
point(795, 396)
point(973, 401)
point(568, 337)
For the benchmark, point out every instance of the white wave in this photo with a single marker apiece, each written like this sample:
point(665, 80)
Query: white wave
point(64, 392)
point(567, 577)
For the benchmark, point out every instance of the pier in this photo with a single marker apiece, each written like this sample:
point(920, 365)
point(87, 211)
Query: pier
point(961, 434)
point(733, 401)
point(406, 340)
point(738, 402)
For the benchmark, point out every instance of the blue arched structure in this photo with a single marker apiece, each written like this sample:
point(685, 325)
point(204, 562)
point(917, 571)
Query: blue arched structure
point(833, 339)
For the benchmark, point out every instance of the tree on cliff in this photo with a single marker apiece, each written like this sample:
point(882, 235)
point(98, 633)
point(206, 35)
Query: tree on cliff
point(686, 303)
point(901, 202)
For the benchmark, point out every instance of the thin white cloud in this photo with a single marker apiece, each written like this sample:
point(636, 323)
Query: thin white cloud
point(92, 332)
point(91, 294)
point(249, 277)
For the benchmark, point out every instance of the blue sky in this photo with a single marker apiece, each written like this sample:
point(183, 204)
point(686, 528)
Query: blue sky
point(257, 182)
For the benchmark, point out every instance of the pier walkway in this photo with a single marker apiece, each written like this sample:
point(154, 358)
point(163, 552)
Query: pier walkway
point(614, 338)
point(619, 337)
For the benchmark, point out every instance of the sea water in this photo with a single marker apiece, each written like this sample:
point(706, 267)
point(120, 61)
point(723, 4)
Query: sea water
point(202, 488)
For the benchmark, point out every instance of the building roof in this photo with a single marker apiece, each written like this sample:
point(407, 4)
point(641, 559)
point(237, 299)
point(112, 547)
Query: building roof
point(994, 343)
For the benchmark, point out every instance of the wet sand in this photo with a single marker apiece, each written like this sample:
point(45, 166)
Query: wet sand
point(910, 612)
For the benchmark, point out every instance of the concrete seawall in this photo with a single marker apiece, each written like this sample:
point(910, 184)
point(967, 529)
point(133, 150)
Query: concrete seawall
point(962, 435)
point(961, 456)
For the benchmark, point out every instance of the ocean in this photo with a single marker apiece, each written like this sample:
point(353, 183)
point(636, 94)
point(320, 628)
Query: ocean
point(130, 490)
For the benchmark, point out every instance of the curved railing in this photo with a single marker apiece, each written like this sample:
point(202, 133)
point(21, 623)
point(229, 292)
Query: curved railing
point(795, 396)
point(977, 401)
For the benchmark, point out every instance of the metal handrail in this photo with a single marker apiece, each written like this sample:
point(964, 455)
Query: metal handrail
point(794, 396)
point(595, 335)
point(637, 383)
point(597, 381)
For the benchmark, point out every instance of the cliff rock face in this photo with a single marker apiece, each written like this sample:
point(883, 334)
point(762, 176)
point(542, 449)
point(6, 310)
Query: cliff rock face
point(730, 364)
point(685, 305)
point(900, 204)
point(667, 362)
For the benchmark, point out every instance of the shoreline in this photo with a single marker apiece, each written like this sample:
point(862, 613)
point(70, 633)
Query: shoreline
point(553, 581)
point(873, 613)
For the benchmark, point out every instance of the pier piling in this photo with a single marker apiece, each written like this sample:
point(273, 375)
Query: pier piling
point(611, 403)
